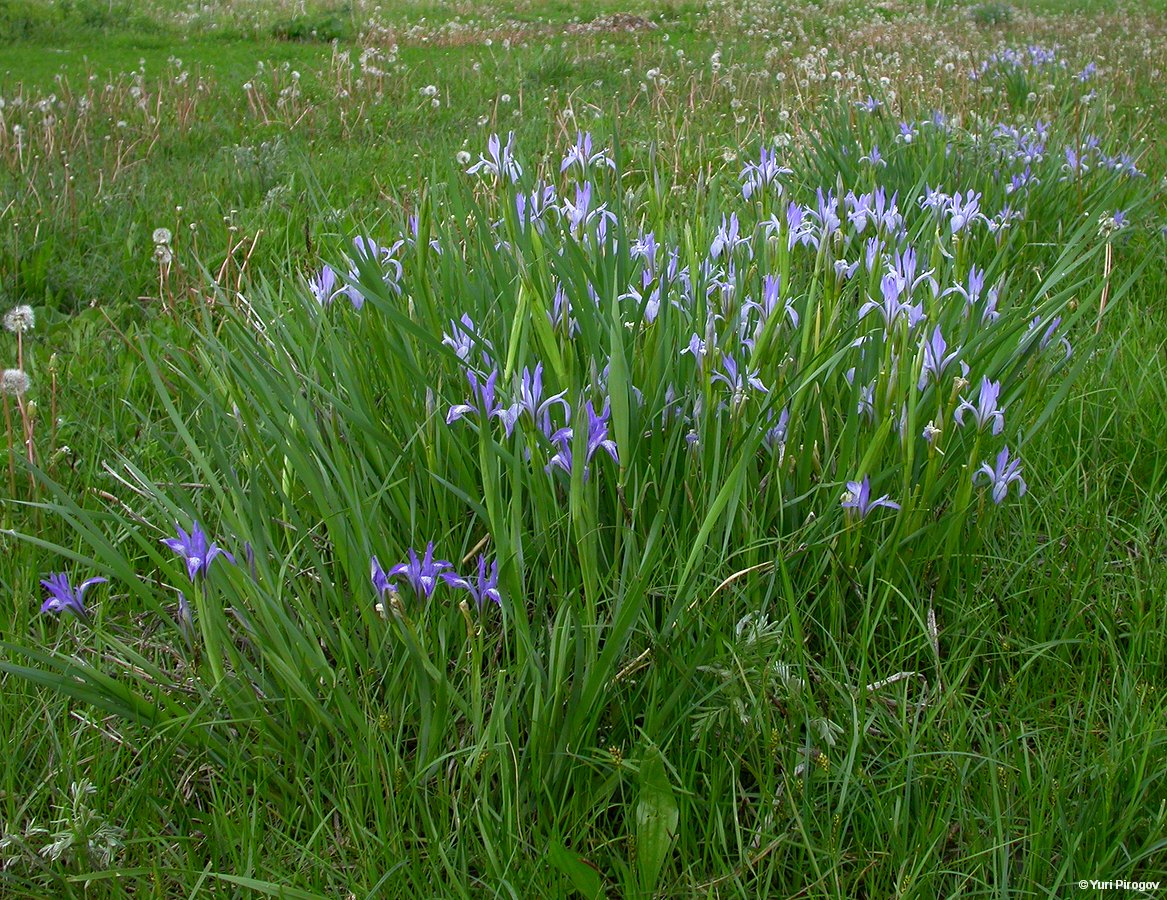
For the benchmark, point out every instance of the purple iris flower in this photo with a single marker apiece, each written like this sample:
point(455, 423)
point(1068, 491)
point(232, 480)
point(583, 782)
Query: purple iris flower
point(858, 498)
point(598, 439)
point(62, 594)
point(844, 269)
point(936, 361)
point(502, 159)
point(461, 339)
point(1001, 475)
point(874, 157)
point(323, 285)
point(934, 199)
point(560, 313)
point(530, 400)
point(484, 588)
point(892, 308)
point(976, 284)
point(964, 211)
point(481, 394)
point(196, 549)
point(1050, 333)
point(738, 379)
point(771, 297)
point(866, 406)
point(579, 214)
point(986, 409)
point(756, 176)
point(775, 437)
point(422, 574)
point(581, 154)
point(371, 254)
point(728, 237)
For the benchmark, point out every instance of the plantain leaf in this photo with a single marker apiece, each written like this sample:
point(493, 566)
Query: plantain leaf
point(656, 817)
point(584, 878)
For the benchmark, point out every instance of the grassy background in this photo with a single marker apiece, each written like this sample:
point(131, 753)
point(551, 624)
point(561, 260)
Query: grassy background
point(1043, 764)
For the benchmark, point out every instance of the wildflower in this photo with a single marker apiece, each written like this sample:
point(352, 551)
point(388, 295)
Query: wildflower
point(323, 285)
point(858, 498)
point(581, 153)
point(530, 400)
point(1001, 475)
point(963, 212)
point(162, 236)
point(483, 394)
point(874, 157)
point(484, 588)
point(771, 291)
point(462, 338)
point(430, 90)
point(422, 574)
point(598, 439)
point(185, 618)
point(20, 319)
point(728, 237)
point(462, 157)
point(62, 594)
point(892, 308)
point(931, 432)
point(935, 359)
point(739, 381)
point(775, 437)
point(766, 171)
point(14, 382)
point(986, 409)
point(501, 161)
point(1107, 224)
point(195, 549)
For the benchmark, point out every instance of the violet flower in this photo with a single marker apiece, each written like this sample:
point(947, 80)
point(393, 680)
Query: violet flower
point(858, 498)
point(323, 285)
point(1001, 475)
point(935, 359)
point(728, 237)
point(892, 308)
point(756, 176)
point(986, 409)
point(581, 154)
point(483, 403)
point(484, 588)
point(530, 400)
point(598, 439)
point(62, 594)
point(502, 159)
point(738, 379)
point(421, 574)
point(195, 548)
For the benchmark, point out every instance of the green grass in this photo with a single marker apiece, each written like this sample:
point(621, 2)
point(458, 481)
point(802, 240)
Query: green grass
point(706, 678)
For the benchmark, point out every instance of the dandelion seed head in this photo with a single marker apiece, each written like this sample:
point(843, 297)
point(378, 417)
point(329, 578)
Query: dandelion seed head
point(162, 236)
point(14, 382)
point(20, 319)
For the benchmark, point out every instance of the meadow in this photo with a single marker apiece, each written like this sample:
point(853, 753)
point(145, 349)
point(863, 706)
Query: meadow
point(527, 449)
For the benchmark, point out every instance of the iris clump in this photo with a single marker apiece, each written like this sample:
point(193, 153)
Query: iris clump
point(634, 422)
